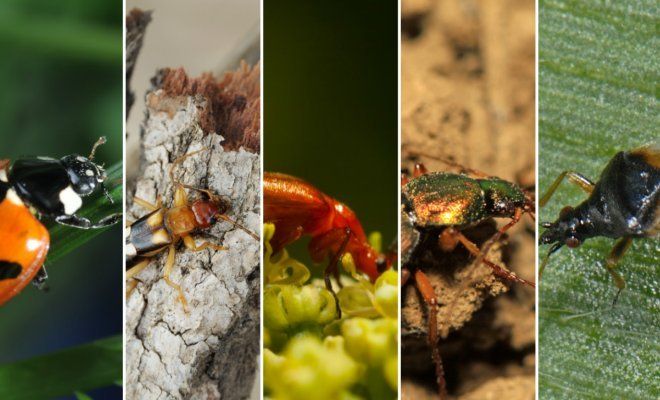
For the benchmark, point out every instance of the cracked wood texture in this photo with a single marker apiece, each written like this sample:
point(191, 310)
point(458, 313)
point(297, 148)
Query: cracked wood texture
point(468, 95)
point(210, 352)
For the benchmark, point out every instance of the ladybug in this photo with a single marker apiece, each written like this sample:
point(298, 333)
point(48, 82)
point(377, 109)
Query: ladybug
point(34, 187)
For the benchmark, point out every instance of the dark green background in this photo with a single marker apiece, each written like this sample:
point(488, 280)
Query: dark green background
point(61, 80)
point(330, 102)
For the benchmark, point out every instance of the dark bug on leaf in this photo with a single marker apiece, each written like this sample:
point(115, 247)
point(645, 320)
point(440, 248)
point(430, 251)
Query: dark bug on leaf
point(622, 204)
point(443, 204)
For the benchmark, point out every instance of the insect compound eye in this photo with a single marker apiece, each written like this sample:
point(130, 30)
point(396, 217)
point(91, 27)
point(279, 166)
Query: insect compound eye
point(572, 242)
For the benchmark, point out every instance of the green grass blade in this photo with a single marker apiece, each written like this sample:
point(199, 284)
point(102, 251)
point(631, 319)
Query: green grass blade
point(78, 369)
point(598, 75)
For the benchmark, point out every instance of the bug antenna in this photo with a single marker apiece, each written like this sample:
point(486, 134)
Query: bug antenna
point(99, 142)
point(249, 232)
point(553, 249)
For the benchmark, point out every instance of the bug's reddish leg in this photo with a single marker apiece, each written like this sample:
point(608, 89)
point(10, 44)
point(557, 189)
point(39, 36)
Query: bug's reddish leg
point(428, 294)
point(404, 179)
point(498, 270)
point(420, 170)
point(619, 249)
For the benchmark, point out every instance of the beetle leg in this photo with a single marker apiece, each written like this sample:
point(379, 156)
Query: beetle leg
point(428, 294)
point(497, 270)
point(132, 272)
point(404, 179)
point(575, 178)
point(448, 239)
point(166, 276)
point(405, 275)
point(83, 223)
point(130, 286)
point(137, 268)
point(180, 196)
point(420, 170)
point(189, 242)
point(496, 237)
point(613, 258)
point(322, 245)
point(145, 204)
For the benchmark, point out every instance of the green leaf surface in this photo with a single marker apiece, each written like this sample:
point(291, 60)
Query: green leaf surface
point(63, 373)
point(598, 85)
point(66, 239)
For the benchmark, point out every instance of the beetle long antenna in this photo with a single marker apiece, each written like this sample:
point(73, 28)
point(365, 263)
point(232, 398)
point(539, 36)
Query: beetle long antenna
point(452, 163)
point(249, 232)
point(179, 160)
point(99, 142)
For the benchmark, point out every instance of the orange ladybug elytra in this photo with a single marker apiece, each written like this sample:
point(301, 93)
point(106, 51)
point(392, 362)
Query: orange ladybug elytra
point(24, 241)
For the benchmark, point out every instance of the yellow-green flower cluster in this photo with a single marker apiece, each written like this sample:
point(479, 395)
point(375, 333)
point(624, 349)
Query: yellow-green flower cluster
point(310, 352)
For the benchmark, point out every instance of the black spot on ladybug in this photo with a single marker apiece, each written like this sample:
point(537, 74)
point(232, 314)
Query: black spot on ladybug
point(4, 187)
point(9, 270)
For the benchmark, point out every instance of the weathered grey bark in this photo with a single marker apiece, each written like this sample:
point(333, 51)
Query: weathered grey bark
point(210, 352)
point(136, 27)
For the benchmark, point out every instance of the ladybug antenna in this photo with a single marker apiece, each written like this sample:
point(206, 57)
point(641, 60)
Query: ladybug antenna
point(99, 142)
point(249, 232)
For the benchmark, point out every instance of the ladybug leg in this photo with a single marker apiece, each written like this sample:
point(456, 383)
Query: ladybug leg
point(145, 204)
point(76, 221)
point(39, 280)
point(497, 270)
point(575, 178)
point(189, 242)
point(428, 294)
point(613, 258)
point(166, 276)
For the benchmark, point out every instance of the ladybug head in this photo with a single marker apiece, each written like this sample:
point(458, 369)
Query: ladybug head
point(84, 174)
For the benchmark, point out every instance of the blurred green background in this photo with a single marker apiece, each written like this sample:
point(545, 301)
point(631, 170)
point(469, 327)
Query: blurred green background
point(330, 102)
point(61, 79)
